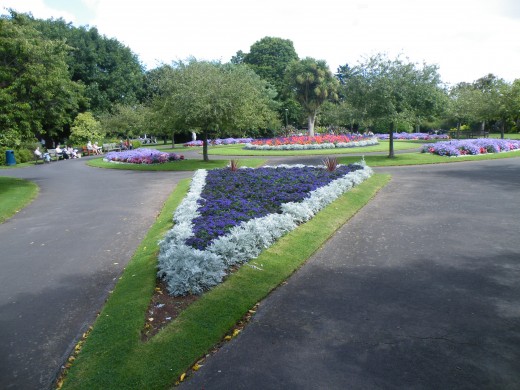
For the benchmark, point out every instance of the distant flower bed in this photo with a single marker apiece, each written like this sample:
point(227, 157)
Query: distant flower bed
point(218, 141)
point(142, 156)
point(472, 147)
point(228, 217)
point(413, 136)
point(327, 141)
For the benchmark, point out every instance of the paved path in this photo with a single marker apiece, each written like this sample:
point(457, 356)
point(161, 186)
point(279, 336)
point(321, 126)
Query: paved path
point(420, 290)
point(62, 254)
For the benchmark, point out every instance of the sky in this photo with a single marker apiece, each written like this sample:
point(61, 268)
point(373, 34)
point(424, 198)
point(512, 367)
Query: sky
point(467, 39)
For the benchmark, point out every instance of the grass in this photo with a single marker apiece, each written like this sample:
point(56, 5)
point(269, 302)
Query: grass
point(181, 165)
point(423, 158)
point(506, 135)
point(15, 195)
point(113, 357)
point(238, 150)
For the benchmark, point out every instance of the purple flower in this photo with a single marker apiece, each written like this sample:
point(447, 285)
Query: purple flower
point(230, 198)
point(143, 156)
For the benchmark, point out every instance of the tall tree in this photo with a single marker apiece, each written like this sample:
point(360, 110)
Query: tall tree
point(37, 95)
point(110, 71)
point(269, 57)
point(312, 83)
point(213, 98)
point(395, 91)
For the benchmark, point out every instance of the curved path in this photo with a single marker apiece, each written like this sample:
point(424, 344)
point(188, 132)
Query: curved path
point(419, 290)
point(62, 254)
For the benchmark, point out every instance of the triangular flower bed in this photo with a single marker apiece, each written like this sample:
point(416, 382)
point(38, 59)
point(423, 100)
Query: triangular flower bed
point(228, 217)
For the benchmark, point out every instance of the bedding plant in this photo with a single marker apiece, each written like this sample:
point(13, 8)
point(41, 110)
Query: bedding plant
point(142, 156)
point(327, 141)
point(471, 147)
point(229, 216)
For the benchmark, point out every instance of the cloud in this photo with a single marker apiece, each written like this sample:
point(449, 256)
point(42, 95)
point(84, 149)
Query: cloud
point(466, 38)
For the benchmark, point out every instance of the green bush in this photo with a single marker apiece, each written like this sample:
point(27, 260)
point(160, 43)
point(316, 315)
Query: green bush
point(136, 144)
point(21, 155)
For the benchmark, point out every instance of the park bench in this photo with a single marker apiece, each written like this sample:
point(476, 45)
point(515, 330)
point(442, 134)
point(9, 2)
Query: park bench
point(53, 154)
point(464, 134)
point(111, 147)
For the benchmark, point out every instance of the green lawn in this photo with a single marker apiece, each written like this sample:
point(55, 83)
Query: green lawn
point(506, 135)
point(181, 165)
point(114, 357)
point(238, 150)
point(15, 195)
point(423, 158)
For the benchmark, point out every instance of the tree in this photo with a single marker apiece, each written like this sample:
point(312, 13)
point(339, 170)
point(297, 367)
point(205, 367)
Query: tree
point(312, 83)
point(209, 97)
point(269, 58)
point(37, 95)
point(110, 71)
point(126, 121)
point(395, 91)
point(85, 128)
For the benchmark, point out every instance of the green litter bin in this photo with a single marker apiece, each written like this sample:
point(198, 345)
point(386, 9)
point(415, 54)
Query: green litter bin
point(9, 157)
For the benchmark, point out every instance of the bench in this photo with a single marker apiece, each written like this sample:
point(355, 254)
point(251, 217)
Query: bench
point(468, 134)
point(53, 154)
point(111, 147)
point(39, 157)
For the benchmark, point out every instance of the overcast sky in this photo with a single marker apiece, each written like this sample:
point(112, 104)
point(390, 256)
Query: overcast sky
point(466, 38)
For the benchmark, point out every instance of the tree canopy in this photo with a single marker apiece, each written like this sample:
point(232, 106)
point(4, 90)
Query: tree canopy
point(394, 90)
point(211, 98)
point(312, 83)
point(37, 96)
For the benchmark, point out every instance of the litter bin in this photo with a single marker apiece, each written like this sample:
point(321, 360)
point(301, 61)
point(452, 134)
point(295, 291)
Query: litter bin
point(9, 157)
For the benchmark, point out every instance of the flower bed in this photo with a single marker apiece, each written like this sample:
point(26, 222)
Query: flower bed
point(413, 136)
point(228, 218)
point(218, 141)
point(327, 141)
point(471, 147)
point(142, 156)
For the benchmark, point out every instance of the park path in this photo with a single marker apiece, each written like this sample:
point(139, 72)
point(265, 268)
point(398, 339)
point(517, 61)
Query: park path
point(60, 257)
point(419, 290)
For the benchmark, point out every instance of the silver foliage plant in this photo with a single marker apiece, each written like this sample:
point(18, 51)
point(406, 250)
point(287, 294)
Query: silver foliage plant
point(325, 145)
point(191, 271)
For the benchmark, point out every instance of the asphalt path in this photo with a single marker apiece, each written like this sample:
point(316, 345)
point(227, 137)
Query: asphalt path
point(419, 290)
point(60, 257)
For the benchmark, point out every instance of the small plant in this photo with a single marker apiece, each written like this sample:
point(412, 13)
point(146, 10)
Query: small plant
point(331, 163)
point(233, 165)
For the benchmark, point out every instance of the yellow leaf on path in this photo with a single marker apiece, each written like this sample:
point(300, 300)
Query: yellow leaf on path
point(182, 376)
point(236, 332)
point(227, 338)
point(196, 367)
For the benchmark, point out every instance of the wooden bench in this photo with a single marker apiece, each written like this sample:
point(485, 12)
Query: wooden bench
point(463, 134)
point(111, 147)
point(53, 154)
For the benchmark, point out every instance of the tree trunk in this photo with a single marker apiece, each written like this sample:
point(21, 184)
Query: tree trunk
point(312, 119)
point(173, 139)
point(458, 130)
point(391, 143)
point(502, 128)
point(205, 145)
point(483, 126)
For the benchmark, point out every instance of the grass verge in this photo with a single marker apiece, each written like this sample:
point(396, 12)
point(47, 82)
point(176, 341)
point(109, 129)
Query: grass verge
point(238, 150)
point(423, 158)
point(113, 357)
point(182, 165)
point(15, 194)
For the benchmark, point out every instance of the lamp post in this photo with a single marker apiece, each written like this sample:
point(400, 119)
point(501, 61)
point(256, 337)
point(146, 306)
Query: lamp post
point(286, 124)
